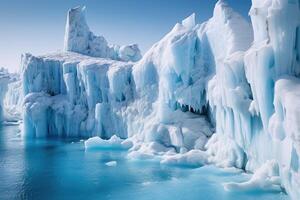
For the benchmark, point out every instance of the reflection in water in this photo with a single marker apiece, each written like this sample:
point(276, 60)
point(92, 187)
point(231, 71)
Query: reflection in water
point(12, 165)
point(62, 169)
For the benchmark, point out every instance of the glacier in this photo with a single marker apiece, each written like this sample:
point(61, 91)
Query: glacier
point(78, 38)
point(11, 97)
point(223, 92)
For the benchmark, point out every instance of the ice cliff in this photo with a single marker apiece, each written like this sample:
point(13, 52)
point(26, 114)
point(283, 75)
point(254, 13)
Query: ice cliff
point(224, 76)
point(72, 95)
point(10, 97)
point(78, 38)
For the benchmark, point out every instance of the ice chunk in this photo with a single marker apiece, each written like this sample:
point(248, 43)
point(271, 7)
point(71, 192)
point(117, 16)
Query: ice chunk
point(224, 152)
point(114, 142)
point(111, 163)
point(265, 178)
point(193, 158)
point(149, 151)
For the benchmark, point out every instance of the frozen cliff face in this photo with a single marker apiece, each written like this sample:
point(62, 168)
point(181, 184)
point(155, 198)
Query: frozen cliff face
point(68, 94)
point(250, 96)
point(170, 84)
point(272, 65)
point(74, 95)
point(242, 79)
point(4, 80)
point(228, 91)
point(172, 67)
point(10, 96)
point(79, 38)
point(71, 94)
point(13, 101)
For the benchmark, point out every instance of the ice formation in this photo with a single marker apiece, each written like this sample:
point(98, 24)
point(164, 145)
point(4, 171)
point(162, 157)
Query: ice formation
point(223, 76)
point(113, 143)
point(111, 163)
point(264, 178)
point(10, 97)
point(73, 95)
point(79, 38)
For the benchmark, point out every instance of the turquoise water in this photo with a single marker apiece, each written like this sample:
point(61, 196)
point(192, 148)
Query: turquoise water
point(62, 169)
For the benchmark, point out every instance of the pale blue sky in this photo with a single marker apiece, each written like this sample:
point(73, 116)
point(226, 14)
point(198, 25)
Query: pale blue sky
point(37, 26)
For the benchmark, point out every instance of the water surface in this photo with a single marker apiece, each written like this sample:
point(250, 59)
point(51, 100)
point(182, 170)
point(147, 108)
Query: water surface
point(62, 169)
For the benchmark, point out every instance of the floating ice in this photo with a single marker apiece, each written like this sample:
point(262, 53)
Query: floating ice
point(265, 178)
point(111, 163)
point(193, 158)
point(113, 143)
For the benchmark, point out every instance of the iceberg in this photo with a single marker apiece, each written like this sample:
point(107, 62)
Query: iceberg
point(114, 142)
point(223, 92)
point(111, 163)
point(72, 95)
point(79, 38)
point(10, 97)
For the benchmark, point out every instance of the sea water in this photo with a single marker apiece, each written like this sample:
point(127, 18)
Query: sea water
point(62, 169)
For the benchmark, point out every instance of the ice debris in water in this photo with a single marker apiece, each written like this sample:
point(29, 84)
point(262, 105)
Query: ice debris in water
point(111, 163)
point(265, 178)
point(113, 143)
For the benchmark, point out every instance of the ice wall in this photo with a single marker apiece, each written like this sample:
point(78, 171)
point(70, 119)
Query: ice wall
point(10, 97)
point(224, 73)
point(72, 95)
point(252, 98)
point(79, 38)
point(229, 93)
point(4, 80)
point(235, 70)
point(13, 101)
point(272, 68)
point(171, 87)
